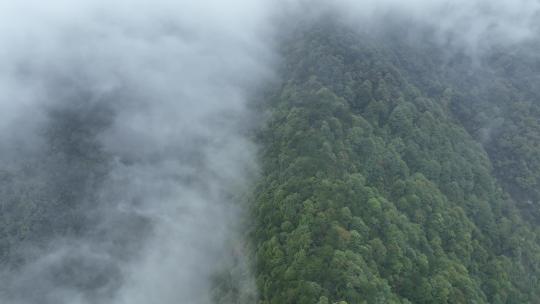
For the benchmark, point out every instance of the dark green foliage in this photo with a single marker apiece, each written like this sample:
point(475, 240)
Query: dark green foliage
point(496, 101)
point(372, 191)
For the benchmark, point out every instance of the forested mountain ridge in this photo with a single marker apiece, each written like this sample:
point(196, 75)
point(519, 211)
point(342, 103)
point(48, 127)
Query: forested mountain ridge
point(269, 152)
point(494, 95)
point(375, 187)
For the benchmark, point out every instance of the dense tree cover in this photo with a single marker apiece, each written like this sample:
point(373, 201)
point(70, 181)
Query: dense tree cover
point(496, 101)
point(372, 190)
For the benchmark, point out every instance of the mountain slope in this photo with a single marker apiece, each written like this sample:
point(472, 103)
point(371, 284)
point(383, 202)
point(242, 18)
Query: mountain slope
point(373, 191)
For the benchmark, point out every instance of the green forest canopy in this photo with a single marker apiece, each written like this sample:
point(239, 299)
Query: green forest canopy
point(389, 178)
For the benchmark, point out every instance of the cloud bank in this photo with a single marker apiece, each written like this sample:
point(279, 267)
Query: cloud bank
point(469, 26)
point(123, 130)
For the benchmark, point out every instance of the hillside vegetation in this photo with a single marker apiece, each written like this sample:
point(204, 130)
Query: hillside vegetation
point(380, 183)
